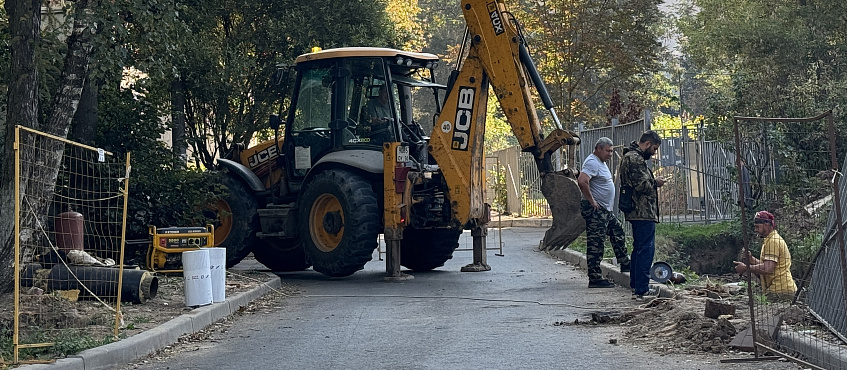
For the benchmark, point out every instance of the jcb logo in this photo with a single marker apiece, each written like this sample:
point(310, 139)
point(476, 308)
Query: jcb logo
point(262, 157)
point(496, 19)
point(464, 117)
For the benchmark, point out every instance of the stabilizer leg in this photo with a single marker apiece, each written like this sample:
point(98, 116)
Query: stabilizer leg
point(480, 259)
point(392, 256)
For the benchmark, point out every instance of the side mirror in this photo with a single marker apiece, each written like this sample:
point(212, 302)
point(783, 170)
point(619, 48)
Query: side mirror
point(275, 122)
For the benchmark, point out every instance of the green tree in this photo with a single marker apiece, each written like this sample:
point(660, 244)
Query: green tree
point(226, 60)
point(586, 49)
point(785, 51)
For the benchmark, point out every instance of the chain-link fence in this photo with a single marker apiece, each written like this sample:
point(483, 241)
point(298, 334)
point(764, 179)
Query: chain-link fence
point(70, 203)
point(797, 289)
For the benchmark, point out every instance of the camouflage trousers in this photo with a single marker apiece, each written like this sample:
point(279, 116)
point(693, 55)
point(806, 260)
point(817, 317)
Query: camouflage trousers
point(598, 224)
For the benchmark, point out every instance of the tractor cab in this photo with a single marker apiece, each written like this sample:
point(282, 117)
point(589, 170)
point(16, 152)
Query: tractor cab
point(356, 99)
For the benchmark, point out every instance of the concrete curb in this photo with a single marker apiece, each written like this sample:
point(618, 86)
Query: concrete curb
point(520, 222)
point(814, 350)
point(120, 353)
point(610, 271)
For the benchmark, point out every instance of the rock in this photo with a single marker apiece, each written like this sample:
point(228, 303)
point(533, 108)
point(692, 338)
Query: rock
point(715, 309)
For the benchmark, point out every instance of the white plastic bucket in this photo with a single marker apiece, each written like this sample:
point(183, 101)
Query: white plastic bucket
point(198, 277)
point(217, 265)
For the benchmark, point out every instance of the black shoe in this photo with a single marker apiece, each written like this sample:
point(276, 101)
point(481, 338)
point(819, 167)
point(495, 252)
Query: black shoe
point(602, 283)
point(624, 268)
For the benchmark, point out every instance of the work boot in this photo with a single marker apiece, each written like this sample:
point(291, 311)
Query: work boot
point(600, 283)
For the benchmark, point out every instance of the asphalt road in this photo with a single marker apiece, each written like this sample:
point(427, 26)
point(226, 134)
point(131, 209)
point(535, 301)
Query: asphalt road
point(506, 318)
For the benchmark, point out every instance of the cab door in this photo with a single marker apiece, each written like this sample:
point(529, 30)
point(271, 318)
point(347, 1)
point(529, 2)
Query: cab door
point(308, 132)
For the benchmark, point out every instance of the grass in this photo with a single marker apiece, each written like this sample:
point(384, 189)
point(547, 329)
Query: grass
point(66, 342)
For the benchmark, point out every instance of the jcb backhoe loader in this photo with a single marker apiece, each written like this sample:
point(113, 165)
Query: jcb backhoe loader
point(353, 161)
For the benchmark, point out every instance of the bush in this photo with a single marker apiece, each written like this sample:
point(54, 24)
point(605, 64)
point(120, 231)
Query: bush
point(162, 190)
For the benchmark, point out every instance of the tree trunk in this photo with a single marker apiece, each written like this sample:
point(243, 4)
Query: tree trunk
point(25, 109)
point(180, 146)
point(84, 126)
point(24, 27)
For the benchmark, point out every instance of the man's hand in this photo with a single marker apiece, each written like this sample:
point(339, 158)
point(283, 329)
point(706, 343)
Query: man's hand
point(594, 204)
point(660, 181)
point(740, 267)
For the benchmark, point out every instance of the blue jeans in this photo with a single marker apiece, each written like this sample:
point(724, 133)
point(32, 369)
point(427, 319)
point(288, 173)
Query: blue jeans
point(643, 248)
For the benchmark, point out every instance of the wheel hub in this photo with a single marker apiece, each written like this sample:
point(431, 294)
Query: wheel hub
point(326, 221)
point(332, 222)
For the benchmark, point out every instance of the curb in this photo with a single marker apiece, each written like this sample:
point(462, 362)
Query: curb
point(609, 270)
point(120, 353)
point(815, 350)
point(520, 222)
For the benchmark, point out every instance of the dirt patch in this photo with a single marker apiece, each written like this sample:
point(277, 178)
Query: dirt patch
point(678, 325)
point(92, 324)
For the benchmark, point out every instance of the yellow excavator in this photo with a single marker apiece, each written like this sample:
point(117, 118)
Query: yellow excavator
point(352, 160)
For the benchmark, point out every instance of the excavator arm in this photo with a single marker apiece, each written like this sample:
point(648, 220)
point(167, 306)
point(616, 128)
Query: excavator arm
point(497, 57)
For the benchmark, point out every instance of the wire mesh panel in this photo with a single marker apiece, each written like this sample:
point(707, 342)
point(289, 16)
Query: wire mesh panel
point(70, 217)
point(796, 291)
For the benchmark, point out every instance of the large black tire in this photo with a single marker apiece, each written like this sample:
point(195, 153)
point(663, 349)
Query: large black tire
point(428, 249)
point(280, 255)
point(339, 222)
point(237, 220)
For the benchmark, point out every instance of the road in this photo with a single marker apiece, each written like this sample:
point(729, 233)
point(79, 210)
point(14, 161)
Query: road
point(507, 318)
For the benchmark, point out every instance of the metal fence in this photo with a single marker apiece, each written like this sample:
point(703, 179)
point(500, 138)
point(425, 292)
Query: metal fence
point(621, 135)
point(701, 175)
point(514, 183)
point(70, 202)
point(794, 178)
point(701, 172)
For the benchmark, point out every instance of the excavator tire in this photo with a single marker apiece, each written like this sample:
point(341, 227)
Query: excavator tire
point(424, 250)
point(237, 220)
point(563, 196)
point(339, 222)
point(280, 255)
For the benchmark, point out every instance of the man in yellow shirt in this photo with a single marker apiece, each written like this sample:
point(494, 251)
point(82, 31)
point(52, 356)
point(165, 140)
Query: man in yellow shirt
point(774, 263)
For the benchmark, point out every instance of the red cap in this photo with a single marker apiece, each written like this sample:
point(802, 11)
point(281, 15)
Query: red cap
point(764, 217)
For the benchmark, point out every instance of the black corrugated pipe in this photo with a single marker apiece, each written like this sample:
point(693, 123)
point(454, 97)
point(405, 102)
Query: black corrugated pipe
point(138, 285)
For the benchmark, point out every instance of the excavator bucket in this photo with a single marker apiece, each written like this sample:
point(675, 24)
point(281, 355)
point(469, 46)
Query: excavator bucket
point(563, 196)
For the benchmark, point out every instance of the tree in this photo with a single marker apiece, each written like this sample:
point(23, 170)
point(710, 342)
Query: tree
point(23, 110)
point(23, 103)
point(756, 53)
point(227, 55)
point(585, 49)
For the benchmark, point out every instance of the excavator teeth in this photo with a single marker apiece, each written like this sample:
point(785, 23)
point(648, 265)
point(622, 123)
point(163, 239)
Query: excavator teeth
point(563, 196)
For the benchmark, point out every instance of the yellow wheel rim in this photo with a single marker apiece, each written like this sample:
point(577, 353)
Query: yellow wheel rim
point(326, 222)
point(223, 225)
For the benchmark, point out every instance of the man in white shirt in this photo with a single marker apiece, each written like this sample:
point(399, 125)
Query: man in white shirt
point(598, 192)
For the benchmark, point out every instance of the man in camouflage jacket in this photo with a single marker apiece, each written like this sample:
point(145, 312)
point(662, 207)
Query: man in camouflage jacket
point(645, 213)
